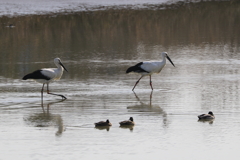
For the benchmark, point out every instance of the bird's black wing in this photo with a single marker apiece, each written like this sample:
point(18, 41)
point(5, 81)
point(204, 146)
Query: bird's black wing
point(36, 75)
point(137, 68)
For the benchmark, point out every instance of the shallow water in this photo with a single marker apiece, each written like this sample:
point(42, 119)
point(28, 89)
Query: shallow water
point(97, 48)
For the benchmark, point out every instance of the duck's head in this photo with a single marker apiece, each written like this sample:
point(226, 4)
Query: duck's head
point(210, 112)
point(107, 121)
point(131, 119)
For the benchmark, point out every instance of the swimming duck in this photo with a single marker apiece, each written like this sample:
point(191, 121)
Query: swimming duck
point(10, 26)
point(103, 123)
point(127, 122)
point(206, 116)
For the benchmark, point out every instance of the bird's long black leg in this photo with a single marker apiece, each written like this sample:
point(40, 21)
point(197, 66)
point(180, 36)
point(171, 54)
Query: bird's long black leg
point(137, 83)
point(42, 91)
point(151, 82)
point(63, 97)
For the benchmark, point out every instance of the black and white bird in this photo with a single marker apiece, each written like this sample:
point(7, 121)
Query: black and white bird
point(147, 68)
point(47, 75)
point(208, 116)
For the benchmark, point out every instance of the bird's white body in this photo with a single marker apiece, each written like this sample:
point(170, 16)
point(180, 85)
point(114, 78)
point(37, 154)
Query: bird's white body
point(53, 73)
point(152, 67)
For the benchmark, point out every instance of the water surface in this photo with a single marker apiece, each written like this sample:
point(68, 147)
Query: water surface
point(97, 47)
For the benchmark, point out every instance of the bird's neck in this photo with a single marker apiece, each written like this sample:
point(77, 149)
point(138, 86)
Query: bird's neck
point(163, 59)
point(59, 67)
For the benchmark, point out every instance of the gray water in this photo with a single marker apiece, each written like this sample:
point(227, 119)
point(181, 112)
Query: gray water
point(97, 47)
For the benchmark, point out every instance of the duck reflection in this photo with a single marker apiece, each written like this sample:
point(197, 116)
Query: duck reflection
point(148, 107)
point(210, 121)
point(107, 128)
point(46, 119)
point(127, 127)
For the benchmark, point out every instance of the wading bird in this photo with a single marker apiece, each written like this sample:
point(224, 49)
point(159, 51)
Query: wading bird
point(206, 116)
point(148, 68)
point(47, 75)
point(127, 122)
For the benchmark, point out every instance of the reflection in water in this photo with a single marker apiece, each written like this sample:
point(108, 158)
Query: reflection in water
point(210, 121)
point(144, 107)
point(127, 127)
point(46, 119)
point(103, 127)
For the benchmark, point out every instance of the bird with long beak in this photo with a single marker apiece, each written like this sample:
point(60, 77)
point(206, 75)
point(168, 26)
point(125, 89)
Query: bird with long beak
point(47, 75)
point(147, 68)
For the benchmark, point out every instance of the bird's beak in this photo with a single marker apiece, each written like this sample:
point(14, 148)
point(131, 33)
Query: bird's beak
point(63, 66)
point(170, 60)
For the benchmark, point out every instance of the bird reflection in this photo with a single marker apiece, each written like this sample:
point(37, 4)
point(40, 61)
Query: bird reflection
point(210, 121)
point(148, 107)
point(107, 128)
point(46, 119)
point(127, 127)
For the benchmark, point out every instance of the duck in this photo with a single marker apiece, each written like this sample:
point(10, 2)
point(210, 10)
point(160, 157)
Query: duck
point(127, 122)
point(103, 123)
point(10, 26)
point(208, 116)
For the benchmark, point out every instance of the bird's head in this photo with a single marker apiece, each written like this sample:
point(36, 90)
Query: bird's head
point(57, 61)
point(210, 112)
point(165, 55)
point(131, 119)
point(107, 121)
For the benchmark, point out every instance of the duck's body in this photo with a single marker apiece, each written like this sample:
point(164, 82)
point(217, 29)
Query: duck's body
point(127, 122)
point(47, 75)
point(103, 123)
point(208, 116)
point(147, 68)
point(10, 26)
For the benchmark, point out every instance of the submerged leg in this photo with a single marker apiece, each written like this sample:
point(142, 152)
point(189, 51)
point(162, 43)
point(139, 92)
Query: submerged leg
point(63, 97)
point(151, 82)
point(137, 83)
